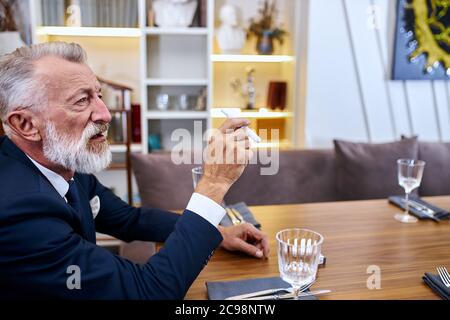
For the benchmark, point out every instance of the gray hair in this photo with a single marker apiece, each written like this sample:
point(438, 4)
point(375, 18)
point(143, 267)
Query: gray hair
point(18, 85)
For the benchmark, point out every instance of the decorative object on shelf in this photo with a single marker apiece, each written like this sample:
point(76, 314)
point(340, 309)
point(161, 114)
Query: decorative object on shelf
point(9, 35)
point(422, 48)
point(202, 100)
point(154, 142)
point(162, 101)
point(73, 14)
point(230, 36)
point(264, 28)
point(276, 97)
point(174, 13)
point(150, 14)
point(183, 102)
point(248, 90)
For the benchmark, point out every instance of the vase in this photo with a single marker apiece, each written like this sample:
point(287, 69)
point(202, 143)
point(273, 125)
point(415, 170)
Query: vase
point(10, 41)
point(265, 43)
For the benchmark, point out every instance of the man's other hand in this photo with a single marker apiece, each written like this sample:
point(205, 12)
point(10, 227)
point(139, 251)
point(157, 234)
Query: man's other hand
point(245, 238)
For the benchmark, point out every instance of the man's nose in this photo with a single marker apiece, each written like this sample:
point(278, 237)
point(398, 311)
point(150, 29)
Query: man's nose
point(100, 112)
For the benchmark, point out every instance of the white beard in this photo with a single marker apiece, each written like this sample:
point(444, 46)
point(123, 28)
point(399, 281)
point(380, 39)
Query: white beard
point(75, 155)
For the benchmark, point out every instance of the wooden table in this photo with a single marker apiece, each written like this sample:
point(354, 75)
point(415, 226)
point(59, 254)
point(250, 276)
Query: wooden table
point(357, 235)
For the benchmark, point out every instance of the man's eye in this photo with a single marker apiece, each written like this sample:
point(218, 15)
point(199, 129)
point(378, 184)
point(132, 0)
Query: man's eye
point(82, 100)
point(100, 96)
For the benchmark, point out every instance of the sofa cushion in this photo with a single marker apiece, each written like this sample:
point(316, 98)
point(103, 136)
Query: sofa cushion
point(161, 183)
point(436, 175)
point(369, 171)
point(303, 176)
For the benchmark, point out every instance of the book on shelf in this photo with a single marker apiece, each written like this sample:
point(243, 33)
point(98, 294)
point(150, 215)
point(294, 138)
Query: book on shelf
point(203, 13)
point(136, 131)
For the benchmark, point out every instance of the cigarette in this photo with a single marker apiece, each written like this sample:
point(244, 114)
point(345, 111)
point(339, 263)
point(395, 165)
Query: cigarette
point(250, 133)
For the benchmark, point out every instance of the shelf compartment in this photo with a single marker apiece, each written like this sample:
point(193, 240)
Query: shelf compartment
point(260, 114)
point(163, 57)
point(89, 32)
point(120, 148)
point(251, 58)
point(175, 92)
point(177, 115)
point(162, 130)
point(176, 82)
point(194, 31)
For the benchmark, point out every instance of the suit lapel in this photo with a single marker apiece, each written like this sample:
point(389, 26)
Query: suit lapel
point(83, 222)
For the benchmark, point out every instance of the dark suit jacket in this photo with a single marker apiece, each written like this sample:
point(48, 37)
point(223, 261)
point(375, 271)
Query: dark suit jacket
point(41, 236)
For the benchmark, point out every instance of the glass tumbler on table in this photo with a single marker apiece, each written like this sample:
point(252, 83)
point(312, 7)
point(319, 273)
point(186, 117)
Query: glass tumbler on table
point(197, 174)
point(298, 257)
point(409, 177)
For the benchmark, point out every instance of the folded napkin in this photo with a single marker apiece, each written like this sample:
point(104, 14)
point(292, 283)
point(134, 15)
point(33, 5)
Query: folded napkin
point(245, 212)
point(441, 214)
point(223, 290)
point(435, 283)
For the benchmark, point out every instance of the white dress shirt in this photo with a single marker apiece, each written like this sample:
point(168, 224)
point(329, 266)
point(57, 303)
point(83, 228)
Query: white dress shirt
point(199, 204)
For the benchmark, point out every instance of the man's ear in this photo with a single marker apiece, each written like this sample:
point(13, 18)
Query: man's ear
point(23, 123)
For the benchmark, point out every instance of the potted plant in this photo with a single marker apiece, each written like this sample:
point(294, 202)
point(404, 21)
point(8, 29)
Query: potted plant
point(9, 35)
point(264, 29)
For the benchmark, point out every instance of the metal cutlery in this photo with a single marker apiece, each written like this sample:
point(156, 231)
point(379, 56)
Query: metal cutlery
point(444, 275)
point(268, 292)
point(235, 221)
point(238, 215)
point(290, 295)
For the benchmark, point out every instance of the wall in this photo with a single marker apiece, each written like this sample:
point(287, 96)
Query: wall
point(348, 92)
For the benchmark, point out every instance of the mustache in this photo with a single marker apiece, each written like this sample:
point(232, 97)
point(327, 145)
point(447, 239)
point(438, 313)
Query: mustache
point(94, 129)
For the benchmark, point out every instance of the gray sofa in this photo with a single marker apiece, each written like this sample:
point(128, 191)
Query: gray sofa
point(304, 175)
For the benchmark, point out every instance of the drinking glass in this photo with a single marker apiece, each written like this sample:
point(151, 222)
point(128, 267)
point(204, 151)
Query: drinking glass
point(298, 257)
point(197, 174)
point(162, 101)
point(409, 177)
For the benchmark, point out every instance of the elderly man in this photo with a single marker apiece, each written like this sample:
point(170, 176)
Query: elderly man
point(56, 122)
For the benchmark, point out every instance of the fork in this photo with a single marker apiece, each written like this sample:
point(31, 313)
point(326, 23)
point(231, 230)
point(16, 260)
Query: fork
point(445, 276)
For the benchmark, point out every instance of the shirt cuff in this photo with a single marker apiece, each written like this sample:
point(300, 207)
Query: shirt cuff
point(206, 208)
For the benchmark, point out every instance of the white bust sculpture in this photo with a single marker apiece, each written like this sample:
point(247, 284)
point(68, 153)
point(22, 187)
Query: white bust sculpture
point(174, 13)
point(230, 37)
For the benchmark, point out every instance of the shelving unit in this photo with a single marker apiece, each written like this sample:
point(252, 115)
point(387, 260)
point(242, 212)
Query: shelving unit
point(165, 71)
point(178, 61)
point(193, 62)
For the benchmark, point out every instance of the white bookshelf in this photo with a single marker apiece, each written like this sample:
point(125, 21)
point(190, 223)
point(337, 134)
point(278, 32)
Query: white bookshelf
point(177, 60)
point(174, 61)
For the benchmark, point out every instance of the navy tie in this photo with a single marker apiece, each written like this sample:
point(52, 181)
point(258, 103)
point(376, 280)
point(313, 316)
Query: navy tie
point(72, 196)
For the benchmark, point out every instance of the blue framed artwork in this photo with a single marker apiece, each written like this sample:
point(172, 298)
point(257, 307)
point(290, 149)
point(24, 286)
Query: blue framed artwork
point(422, 40)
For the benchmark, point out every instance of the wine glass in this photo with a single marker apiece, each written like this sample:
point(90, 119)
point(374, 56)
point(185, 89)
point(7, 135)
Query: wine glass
point(409, 177)
point(298, 257)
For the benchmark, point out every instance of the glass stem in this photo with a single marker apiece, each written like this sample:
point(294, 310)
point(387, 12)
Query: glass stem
point(407, 203)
